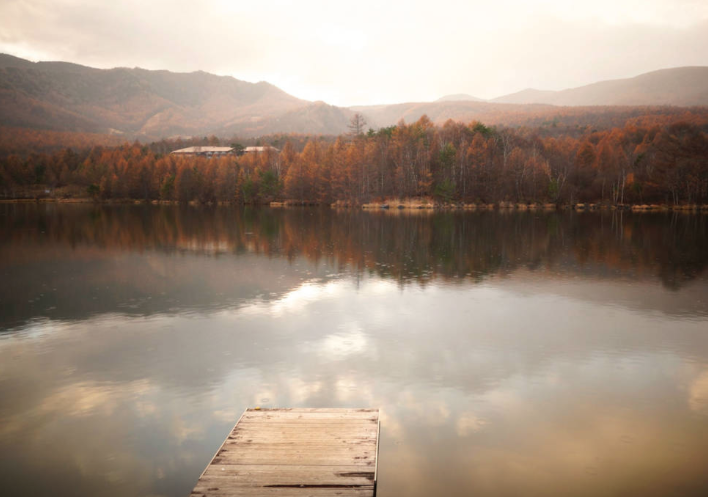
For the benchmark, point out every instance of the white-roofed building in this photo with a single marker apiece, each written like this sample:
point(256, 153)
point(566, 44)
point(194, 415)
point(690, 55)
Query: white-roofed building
point(257, 150)
point(205, 151)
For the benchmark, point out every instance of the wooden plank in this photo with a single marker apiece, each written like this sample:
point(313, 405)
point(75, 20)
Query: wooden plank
point(347, 417)
point(296, 453)
point(366, 491)
point(307, 440)
point(248, 474)
point(244, 447)
point(303, 448)
point(304, 434)
point(329, 430)
point(306, 411)
point(376, 456)
point(308, 425)
point(305, 429)
point(314, 479)
point(296, 459)
point(314, 455)
point(313, 423)
point(275, 468)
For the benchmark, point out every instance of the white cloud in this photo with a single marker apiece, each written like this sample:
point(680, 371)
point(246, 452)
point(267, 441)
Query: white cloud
point(369, 52)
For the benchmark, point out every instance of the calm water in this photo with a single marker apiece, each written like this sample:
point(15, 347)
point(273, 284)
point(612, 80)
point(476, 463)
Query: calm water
point(510, 354)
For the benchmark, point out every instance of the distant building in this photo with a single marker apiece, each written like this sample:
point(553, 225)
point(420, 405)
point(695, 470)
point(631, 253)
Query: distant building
point(205, 151)
point(256, 150)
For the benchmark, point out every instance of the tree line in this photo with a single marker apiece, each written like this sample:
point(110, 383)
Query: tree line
point(665, 162)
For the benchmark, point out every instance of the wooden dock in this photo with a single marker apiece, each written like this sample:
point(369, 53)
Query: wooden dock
point(296, 453)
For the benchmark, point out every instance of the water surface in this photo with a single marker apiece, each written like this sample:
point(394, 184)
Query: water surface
point(510, 353)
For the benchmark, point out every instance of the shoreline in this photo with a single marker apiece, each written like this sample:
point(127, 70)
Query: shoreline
point(407, 205)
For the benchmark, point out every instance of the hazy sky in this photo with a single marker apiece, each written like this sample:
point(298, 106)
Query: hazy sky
point(367, 52)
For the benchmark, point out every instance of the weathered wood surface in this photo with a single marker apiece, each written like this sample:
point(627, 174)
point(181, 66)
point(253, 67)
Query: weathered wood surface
point(296, 453)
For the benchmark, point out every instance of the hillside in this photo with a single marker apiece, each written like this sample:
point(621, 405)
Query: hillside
point(136, 102)
point(530, 115)
point(149, 105)
point(682, 86)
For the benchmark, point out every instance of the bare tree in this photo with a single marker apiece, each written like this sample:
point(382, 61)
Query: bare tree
point(356, 124)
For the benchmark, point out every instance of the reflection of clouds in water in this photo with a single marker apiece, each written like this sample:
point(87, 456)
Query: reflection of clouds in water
point(183, 430)
point(698, 394)
point(379, 287)
point(294, 389)
point(468, 423)
point(85, 400)
point(225, 415)
point(263, 397)
point(529, 442)
point(349, 388)
point(302, 391)
point(310, 291)
point(116, 437)
point(349, 341)
point(391, 422)
point(38, 329)
point(506, 398)
point(431, 410)
point(500, 400)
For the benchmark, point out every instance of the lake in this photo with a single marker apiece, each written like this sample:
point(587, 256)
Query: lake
point(510, 353)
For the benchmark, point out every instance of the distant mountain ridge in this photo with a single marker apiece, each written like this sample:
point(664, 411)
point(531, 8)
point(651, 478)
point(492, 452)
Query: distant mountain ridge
point(146, 104)
point(681, 86)
point(459, 97)
point(65, 96)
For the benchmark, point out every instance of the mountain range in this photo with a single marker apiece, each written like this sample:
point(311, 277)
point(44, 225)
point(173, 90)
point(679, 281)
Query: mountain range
point(459, 97)
point(682, 86)
point(146, 104)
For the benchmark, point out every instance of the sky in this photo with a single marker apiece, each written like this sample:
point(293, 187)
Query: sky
point(369, 52)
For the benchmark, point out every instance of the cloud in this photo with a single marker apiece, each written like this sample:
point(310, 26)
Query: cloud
point(369, 52)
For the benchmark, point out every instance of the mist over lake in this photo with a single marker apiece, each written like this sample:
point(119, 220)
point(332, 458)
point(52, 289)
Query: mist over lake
point(518, 353)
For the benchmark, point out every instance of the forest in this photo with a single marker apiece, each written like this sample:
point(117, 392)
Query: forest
point(661, 161)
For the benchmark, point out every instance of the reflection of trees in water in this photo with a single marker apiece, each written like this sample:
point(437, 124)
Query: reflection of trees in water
point(406, 246)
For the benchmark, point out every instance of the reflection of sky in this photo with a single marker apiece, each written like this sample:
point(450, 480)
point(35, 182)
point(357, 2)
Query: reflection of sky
point(509, 387)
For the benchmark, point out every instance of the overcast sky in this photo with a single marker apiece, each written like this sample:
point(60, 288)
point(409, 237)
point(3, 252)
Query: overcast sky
point(368, 52)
